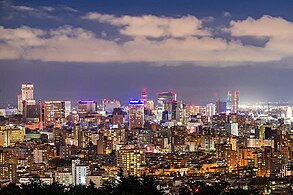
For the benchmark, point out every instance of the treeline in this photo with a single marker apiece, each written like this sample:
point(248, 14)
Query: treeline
point(124, 186)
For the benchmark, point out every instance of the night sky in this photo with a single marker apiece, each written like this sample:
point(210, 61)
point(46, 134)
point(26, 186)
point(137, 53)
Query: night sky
point(75, 50)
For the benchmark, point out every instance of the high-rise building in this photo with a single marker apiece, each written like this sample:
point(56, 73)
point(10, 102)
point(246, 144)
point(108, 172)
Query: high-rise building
point(211, 109)
point(178, 111)
point(79, 172)
point(131, 160)
point(87, 106)
point(165, 100)
point(82, 171)
point(27, 91)
point(55, 112)
point(220, 107)
point(144, 98)
point(9, 135)
point(109, 105)
point(232, 101)
point(27, 95)
point(118, 117)
point(136, 114)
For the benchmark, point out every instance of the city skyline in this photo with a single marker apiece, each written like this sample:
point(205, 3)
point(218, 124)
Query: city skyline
point(199, 51)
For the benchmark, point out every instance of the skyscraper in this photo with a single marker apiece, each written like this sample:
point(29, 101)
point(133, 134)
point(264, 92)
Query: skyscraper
point(27, 91)
point(131, 160)
point(27, 95)
point(211, 109)
point(220, 107)
point(144, 97)
point(165, 100)
point(232, 101)
point(109, 105)
point(136, 114)
point(55, 112)
point(87, 106)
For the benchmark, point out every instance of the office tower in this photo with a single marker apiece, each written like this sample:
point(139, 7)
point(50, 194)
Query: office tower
point(79, 172)
point(191, 110)
point(64, 176)
point(144, 98)
point(232, 128)
point(38, 156)
point(165, 100)
point(136, 114)
point(27, 95)
point(87, 106)
point(150, 104)
point(178, 111)
point(130, 160)
point(232, 101)
point(211, 110)
point(27, 91)
point(9, 135)
point(220, 107)
point(109, 105)
point(19, 104)
point(118, 117)
point(31, 113)
point(55, 112)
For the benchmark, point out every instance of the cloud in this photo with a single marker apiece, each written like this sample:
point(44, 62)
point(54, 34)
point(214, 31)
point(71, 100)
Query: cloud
point(23, 8)
point(69, 44)
point(153, 26)
point(266, 26)
point(278, 30)
point(48, 8)
point(70, 9)
point(227, 14)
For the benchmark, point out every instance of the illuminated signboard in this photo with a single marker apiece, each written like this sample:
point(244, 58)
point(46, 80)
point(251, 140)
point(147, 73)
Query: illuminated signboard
point(135, 102)
point(86, 101)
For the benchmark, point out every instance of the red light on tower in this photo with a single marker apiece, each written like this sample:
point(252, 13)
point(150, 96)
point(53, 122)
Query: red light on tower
point(144, 97)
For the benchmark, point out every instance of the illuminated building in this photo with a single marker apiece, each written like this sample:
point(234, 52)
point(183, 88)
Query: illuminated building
point(232, 128)
point(32, 113)
point(136, 114)
point(220, 107)
point(144, 98)
point(110, 105)
point(55, 112)
point(232, 101)
point(211, 110)
point(178, 112)
point(84, 138)
point(27, 95)
point(8, 172)
point(150, 104)
point(191, 110)
point(118, 117)
point(64, 176)
point(79, 172)
point(38, 156)
point(165, 100)
point(131, 160)
point(87, 106)
point(9, 135)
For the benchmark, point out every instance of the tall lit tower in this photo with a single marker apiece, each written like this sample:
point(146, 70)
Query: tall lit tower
point(136, 114)
point(144, 97)
point(165, 100)
point(232, 101)
point(27, 95)
point(27, 91)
